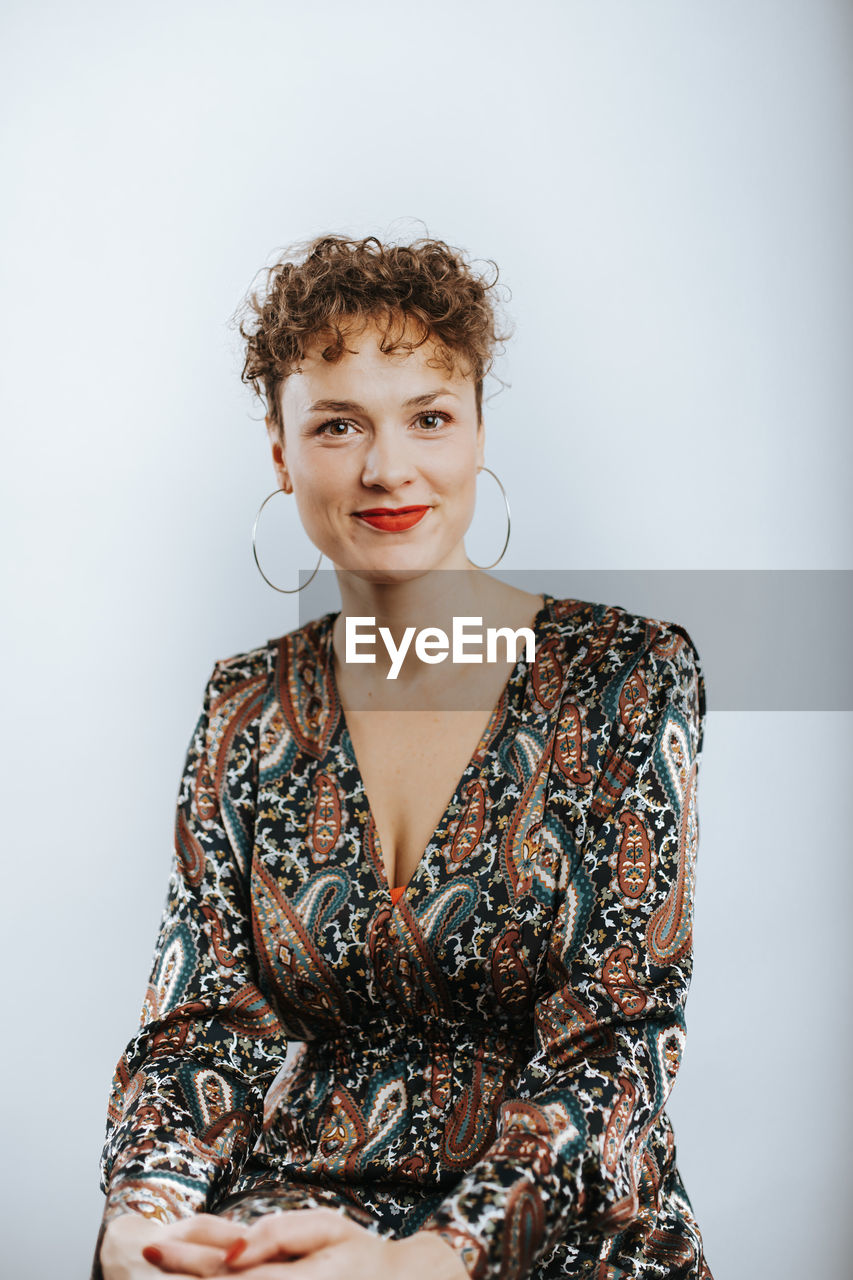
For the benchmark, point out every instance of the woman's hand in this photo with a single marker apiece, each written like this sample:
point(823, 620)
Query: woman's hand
point(131, 1245)
point(324, 1244)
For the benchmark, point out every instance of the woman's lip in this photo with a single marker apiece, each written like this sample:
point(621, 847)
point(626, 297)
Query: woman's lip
point(390, 511)
point(392, 519)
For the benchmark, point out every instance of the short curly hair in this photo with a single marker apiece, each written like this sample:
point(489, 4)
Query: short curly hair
point(317, 288)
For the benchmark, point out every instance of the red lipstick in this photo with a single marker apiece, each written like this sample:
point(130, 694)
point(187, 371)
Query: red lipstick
point(392, 519)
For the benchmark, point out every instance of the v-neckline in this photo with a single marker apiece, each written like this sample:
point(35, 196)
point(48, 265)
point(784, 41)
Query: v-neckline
point(472, 769)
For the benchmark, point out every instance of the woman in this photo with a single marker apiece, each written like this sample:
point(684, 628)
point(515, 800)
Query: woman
point(479, 1055)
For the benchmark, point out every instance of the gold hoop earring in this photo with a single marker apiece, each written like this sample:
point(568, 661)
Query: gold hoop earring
point(288, 591)
point(508, 525)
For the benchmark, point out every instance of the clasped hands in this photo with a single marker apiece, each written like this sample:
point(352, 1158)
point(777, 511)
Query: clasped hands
point(295, 1244)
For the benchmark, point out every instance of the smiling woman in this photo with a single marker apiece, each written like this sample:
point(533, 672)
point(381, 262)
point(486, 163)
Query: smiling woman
point(425, 447)
point(417, 997)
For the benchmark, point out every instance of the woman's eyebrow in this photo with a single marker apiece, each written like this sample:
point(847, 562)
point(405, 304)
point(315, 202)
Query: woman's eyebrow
point(429, 395)
point(352, 406)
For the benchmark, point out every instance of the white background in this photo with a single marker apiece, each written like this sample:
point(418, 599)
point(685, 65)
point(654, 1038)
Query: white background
point(667, 190)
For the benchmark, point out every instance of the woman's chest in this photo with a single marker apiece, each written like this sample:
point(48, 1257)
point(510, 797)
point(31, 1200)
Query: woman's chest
point(410, 764)
point(466, 938)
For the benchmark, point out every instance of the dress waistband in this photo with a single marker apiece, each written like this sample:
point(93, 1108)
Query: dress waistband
point(382, 1034)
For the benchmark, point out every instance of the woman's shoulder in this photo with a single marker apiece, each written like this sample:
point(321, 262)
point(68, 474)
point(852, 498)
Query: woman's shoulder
point(604, 646)
point(247, 665)
point(237, 685)
point(610, 631)
point(251, 669)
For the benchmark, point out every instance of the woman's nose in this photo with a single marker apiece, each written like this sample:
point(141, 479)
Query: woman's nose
point(387, 462)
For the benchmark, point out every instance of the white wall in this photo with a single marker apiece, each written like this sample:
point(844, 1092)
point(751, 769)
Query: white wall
point(667, 189)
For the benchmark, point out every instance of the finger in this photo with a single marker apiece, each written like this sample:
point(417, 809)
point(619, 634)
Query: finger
point(292, 1233)
point(184, 1258)
point(154, 1270)
point(314, 1267)
point(206, 1228)
point(325, 1264)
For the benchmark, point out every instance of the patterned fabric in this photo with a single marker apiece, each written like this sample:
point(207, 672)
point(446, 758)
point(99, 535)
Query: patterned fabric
point(488, 1056)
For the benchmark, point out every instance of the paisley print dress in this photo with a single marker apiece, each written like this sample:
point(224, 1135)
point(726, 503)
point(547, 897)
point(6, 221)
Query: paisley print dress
point(488, 1054)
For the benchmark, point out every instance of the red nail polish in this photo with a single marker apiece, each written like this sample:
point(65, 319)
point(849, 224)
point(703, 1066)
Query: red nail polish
point(234, 1252)
point(152, 1254)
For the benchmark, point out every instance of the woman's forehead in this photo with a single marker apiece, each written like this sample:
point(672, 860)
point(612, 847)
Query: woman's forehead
point(428, 365)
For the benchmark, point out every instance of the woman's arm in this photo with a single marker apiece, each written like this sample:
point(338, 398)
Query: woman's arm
point(187, 1094)
point(610, 1031)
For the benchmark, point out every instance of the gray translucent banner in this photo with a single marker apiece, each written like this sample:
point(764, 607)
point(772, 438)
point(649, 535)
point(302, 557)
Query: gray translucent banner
point(768, 640)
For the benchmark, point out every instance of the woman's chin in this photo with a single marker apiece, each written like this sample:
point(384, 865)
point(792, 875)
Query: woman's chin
point(387, 562)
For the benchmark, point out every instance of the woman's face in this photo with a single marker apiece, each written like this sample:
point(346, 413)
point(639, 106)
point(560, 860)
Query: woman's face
point(373, 433)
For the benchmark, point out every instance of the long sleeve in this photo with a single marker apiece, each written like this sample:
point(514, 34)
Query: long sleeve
point(187, 1094)
point(568, 1151)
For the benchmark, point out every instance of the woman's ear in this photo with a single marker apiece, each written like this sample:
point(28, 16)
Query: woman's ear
point(481, 444)
point(276, 439)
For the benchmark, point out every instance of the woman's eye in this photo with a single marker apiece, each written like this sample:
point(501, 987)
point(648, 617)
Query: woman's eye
point(323, 429)
point(337, 428)
point(433, 420)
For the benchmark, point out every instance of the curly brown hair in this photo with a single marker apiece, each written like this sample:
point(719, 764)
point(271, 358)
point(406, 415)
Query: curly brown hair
point(319, 287)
